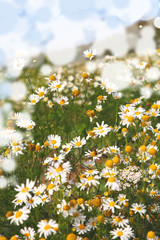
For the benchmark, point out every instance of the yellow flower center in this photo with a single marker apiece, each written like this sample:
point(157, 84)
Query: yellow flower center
point(59, 169)
point(41, 94)
point(90, 178)
point(18, 214)
point(153, 167)
point(47, 227)
point(53, 142)
point(94, 223)
point(89, 55)
point(78, 144)
point(93, 154)
point(62, 102)
point(81, 226)
point(130, 119)
point(122, 199)
point(75, 215)
point(15, 144)
point(138, 208)
point(112, 204)
point(37, 193)
point(26, 234)
point(66, 207)
point(58, 86)
point(119, 233)
point(151, 235)
point(33, 101)
point(16, 149)
point(111, 179)
point(51, 186)
point(118, 219)
point(25, 189)
point(30, 200)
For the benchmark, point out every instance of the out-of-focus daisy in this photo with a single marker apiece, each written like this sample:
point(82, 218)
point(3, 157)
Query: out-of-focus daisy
point(141, 65)
point(20, 216)
point(89, 53)
point(7, 133)
point(98, 108)
point(33, 98)
point(117, 95)
point(14, 116)
point(28, 233)
point(57, 86)
point(47, 228)
point(50, 104)
point(110, 88)
point(62, 100)
point(41, 92)
point(25, 123)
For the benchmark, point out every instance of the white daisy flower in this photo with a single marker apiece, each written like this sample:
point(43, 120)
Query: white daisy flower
point(24, 189)
point(138, 208)
point(80, 227)
point(123, 234)
point(65, 209)
point(20, 216)
point(110, 204)
point(62, 100)
point(25, 123)
point(77, 142)
point(56, 86)
point(33, 98)
point(119, 221)
point(28, 233)
point(89, 53)
point(54, 141)
point(41, 92)
point(47, 228)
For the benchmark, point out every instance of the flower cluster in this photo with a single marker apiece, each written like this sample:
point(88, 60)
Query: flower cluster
point(86, 177)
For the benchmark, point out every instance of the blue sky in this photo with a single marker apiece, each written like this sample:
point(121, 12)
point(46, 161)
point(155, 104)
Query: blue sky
point(45, 25)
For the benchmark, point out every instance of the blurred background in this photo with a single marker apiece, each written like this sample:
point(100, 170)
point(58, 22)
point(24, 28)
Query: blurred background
point(32, 31)
point(39, 37)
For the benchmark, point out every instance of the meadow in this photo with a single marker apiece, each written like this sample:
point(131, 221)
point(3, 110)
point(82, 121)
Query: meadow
point(87, 156)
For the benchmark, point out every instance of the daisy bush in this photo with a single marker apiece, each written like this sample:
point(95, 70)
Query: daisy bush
point(88, 163)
